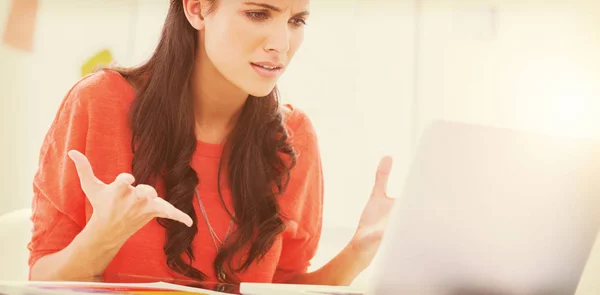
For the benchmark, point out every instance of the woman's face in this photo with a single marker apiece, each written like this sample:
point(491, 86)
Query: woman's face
point(251, 42)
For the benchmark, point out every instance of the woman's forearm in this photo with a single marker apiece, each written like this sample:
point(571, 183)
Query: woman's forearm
point(340, 271)
point(85, 258)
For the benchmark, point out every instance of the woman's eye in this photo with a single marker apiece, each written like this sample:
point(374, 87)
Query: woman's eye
point(298, 22)
point(258, 15)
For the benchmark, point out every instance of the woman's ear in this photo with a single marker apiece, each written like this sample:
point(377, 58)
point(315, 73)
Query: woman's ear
point(194, 13)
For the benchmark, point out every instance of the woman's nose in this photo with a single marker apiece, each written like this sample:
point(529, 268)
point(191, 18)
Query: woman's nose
point(278, 39)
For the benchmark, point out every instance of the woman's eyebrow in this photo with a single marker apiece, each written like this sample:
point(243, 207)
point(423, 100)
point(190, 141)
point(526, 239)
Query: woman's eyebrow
point(273, 7)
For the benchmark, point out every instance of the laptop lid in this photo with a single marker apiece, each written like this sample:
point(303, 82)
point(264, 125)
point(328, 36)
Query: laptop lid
point(492, 211)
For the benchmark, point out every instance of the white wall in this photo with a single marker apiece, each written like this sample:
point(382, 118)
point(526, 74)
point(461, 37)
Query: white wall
point(13, 67)
point(528, 64)
point(32, 85)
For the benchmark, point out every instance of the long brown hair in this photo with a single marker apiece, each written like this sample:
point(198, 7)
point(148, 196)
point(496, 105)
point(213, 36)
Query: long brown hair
point(259, 157)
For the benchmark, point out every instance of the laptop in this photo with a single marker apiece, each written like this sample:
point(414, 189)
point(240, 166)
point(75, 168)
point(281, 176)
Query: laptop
point(492, 211)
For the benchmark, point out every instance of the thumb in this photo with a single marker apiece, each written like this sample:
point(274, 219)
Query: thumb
point(88, 180)
point(381, 177)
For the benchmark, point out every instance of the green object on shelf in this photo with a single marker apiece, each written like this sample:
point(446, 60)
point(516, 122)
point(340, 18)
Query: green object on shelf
point(102, 58)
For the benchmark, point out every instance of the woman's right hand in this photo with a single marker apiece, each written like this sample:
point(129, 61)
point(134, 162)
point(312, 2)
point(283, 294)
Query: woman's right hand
point(120, 209)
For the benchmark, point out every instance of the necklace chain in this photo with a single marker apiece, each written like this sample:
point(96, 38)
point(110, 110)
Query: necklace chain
point(213, 234)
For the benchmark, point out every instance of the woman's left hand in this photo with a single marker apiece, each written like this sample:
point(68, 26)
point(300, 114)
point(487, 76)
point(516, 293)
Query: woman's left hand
point(374, 218)
point(358, 254)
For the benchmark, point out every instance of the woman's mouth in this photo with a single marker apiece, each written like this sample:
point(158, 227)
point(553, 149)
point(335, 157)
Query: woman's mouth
point(267, 70)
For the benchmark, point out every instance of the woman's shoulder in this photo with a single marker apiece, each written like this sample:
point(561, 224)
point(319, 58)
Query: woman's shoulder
point(302, 132)
point(95, 103)
point(298, 122)
point(106, 87)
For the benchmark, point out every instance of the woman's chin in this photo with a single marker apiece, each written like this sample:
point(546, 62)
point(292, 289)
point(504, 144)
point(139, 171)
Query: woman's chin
point(260, 91)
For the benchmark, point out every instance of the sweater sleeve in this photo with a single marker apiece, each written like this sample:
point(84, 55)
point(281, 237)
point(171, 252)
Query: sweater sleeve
point(303, 205)
point(59, 204)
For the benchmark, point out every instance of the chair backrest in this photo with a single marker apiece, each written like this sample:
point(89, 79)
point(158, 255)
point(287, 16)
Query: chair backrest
point(15, 233)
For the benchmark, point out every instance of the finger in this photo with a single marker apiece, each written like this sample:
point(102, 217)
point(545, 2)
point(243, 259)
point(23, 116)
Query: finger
point(382, 176)
point(84, 169)
point(123, 182)
point(125, 178)
point(144, 191)
point(164, 209)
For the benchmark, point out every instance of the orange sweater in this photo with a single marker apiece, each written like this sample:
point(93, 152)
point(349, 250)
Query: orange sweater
point(93, 119)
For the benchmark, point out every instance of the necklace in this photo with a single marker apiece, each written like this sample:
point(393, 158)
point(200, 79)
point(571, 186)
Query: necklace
point(215, 238)
point(213, 234)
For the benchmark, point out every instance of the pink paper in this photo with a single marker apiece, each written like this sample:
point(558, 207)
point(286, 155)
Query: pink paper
point(20, 27)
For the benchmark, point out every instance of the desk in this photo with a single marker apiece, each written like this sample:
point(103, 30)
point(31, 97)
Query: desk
point(119, 284)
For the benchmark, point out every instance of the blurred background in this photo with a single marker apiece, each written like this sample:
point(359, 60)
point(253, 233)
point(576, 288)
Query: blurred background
point(371, 74)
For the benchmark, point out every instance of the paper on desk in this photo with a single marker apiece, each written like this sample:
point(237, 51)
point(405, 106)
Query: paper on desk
point(94, 287)
point(278, 289)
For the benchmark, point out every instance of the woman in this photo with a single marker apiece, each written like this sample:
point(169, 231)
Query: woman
point(195, 138)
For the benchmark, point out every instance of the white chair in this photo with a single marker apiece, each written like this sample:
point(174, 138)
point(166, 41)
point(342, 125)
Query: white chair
point(15, 233)
point(589, 283)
